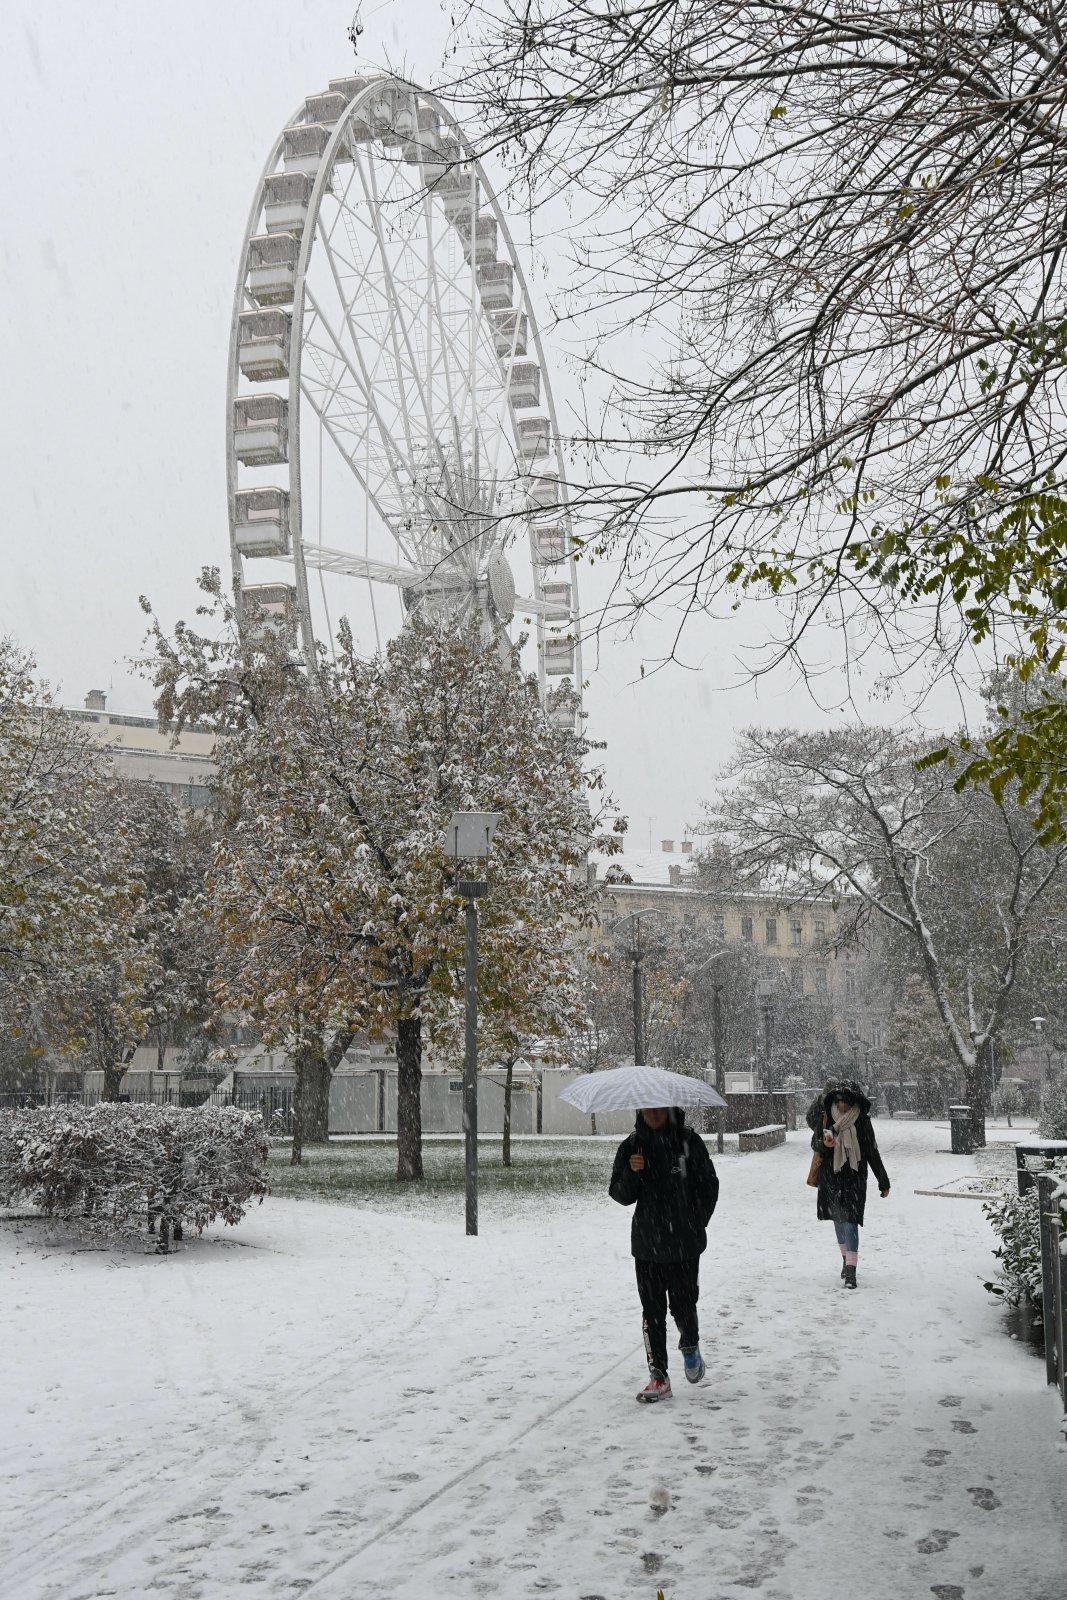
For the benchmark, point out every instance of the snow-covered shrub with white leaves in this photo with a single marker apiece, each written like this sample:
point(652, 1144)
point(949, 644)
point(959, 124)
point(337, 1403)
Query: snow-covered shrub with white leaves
point(1015, 1219)
point(1054, 1111)
point(117, 1165)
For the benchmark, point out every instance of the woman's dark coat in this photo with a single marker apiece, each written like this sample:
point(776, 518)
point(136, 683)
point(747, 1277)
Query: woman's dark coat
point(843, 1195)
point(675, 1195)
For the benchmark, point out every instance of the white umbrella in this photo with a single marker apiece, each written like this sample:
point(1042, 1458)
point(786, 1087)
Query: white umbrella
point(636, 1088)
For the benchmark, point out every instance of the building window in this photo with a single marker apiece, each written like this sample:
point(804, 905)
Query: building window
point(852, 1028)
point(820, 980)
point(746, 928)
point(820, 928)
point(796, 932)
point(772, 930)
point(796, 978)
point(850, 985)
point(876, 1035)
point(718, 927)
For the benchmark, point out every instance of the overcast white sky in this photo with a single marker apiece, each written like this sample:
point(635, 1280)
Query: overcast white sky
point(135, 135)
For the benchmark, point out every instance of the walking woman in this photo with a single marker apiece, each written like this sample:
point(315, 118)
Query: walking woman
point(844, 1137)
point(664, 1170)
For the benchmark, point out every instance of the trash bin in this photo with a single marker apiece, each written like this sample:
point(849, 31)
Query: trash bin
point(962, 1138)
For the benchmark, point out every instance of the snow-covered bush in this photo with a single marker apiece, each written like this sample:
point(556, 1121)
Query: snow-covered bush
point(1016, 1222)
point(1014, 1219)
point(1008, 1101)
point(120, 1164)
point(1054, 1112)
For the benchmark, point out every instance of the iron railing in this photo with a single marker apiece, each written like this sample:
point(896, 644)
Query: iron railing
point(1053, 1281)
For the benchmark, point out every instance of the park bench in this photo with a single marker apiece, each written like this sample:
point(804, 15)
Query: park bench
point(761, 1138)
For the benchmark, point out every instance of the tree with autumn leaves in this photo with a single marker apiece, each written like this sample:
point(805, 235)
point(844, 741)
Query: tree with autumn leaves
point(331, 884)
point(103, 937)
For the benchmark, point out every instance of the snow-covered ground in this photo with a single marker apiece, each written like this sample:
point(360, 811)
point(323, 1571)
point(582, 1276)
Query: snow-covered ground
point(343, 1403)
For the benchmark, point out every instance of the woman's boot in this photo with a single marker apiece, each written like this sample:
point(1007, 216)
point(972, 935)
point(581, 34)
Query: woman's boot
point(850, 1277)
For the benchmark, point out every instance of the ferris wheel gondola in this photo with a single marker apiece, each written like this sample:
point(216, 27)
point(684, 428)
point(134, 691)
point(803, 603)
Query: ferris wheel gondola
point(392, 443)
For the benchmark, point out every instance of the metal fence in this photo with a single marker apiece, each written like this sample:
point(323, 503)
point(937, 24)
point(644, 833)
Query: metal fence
point(173, 1096)
point(1053, 1276)
point(274, 1104)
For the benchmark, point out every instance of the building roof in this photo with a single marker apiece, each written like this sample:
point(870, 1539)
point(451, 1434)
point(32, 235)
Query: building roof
point(647, 868)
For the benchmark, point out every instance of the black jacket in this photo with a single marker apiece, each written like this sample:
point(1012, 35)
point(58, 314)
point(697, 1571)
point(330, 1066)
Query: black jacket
point(675, 1195)
point(842, 1196)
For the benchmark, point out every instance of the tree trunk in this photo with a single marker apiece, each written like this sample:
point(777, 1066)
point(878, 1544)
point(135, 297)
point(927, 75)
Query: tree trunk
point(408, 1100)
point(113, 1077)
point(316, 1096)
point(296, 1155)
point(507, 1113)
point(114, 1072)
point(316, 1063)
point(976, 1076)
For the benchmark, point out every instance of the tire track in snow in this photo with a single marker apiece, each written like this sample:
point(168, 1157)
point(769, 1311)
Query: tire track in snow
point(467, 1472)
point(140, 1483)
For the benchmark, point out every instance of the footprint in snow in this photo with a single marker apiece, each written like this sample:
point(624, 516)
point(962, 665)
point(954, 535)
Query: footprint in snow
point(960, 1425)
point(936, 1540)
point(947, 1591)
point(985, 1499)
point(951, 1400)
point(936, 1458)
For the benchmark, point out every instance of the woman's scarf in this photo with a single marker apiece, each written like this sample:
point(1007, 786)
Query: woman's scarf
point(847, 1147)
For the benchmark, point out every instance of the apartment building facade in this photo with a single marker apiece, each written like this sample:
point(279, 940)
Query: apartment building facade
point(794, 947)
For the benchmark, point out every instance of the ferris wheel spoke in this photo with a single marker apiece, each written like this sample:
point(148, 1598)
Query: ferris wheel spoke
point(336, 410)
point(360, 377)
point(348, 456)
point(394, 336)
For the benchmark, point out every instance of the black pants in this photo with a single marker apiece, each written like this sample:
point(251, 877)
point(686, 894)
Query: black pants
point(657, 1283)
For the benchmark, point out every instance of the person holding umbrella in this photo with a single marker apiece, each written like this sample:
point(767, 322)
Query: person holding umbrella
point(664, 1171)
point(844, 1138)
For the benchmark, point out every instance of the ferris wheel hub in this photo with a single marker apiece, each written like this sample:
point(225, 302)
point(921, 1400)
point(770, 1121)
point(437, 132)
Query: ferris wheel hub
point(501, 582)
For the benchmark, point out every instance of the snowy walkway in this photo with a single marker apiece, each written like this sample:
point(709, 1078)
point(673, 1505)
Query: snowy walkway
point(458, 1416)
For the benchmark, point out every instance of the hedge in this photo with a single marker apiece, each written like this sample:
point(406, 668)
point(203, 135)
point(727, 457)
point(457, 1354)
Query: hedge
point(117, 1165)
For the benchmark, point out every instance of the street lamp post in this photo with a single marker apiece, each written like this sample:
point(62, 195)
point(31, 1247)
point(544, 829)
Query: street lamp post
point(766, 990)
point(637, 958)
point(718, 1054)
point(639, 998)
point(1039, 1023)
point(470, 834)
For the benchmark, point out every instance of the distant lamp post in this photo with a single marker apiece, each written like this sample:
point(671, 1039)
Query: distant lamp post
point(1046, 1076)
point(765, 990)
point(718, 1053)
point(637, 961)
point(468, 837)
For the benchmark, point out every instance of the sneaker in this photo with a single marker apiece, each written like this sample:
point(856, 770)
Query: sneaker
point(694, 1363)
point(658, 1387)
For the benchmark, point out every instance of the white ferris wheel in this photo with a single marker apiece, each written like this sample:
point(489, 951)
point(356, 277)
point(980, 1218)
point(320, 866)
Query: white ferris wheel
point(392, 444)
